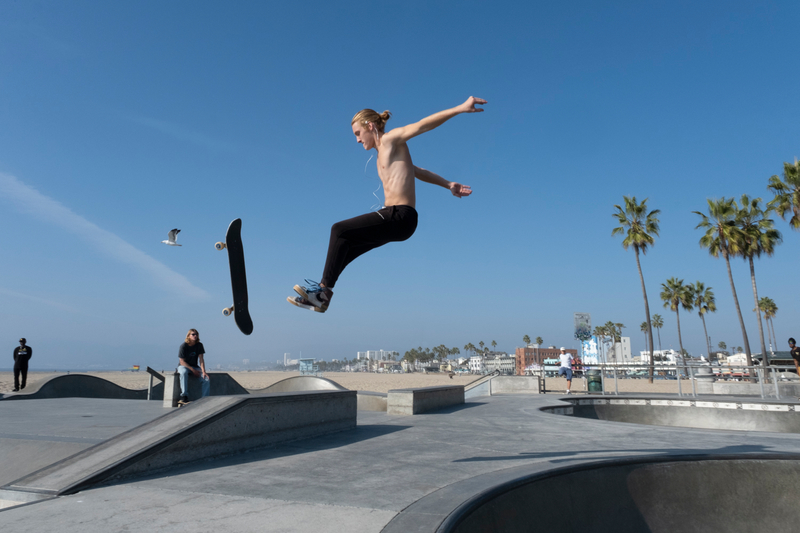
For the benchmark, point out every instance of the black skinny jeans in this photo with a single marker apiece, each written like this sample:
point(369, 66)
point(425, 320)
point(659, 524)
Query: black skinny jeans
point(355, 236)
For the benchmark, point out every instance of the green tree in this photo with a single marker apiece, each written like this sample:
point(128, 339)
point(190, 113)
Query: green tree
point(526, 339)
point(787, 193)
point(758, 236)
point(494, 345)
point(722, 237)
point(658, 323)
point(722, 345)
point(640, 229)
point(705, 302)
point(675, 295)
point(539, 341)
point(482, 344)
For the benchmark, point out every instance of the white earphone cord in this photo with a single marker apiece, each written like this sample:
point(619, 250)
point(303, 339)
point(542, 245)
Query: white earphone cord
point(375, 207)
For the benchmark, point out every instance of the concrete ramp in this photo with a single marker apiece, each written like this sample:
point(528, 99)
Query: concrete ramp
point(299, 383)
point(82, 386)
point(207, 428)
point(367, 401)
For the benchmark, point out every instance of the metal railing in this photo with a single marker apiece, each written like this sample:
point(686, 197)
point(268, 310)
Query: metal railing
point(766, 378)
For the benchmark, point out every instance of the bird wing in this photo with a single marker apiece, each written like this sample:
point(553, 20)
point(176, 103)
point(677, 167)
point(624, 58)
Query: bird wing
point(173, 235)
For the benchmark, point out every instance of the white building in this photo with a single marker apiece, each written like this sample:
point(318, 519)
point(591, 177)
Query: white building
point(476, 364)
point(505, 363)
point(375, 355)
point(666, 356)
point(620, 352)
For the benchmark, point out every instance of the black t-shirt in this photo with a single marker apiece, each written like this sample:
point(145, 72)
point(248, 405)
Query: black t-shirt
point(190, 353)
point(22, 354)
point(796, 353)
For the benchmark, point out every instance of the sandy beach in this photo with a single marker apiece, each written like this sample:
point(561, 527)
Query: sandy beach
point(360, 381)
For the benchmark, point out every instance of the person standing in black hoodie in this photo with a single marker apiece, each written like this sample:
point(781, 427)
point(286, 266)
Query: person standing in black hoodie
point(22, 354)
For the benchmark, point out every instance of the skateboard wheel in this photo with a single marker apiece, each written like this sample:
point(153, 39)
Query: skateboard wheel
point(220, 246)
point(227, 311)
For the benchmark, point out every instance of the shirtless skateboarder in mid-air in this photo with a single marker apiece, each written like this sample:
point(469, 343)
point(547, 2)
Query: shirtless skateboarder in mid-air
point(397, 220)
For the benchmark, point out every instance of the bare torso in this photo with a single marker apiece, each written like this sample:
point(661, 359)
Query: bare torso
point(396, 172)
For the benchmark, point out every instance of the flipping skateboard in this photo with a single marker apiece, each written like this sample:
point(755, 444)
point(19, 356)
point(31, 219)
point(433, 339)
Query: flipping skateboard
point(233, 243)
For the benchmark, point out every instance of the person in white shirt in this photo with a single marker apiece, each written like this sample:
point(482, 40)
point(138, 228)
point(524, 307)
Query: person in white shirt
point(566, 368)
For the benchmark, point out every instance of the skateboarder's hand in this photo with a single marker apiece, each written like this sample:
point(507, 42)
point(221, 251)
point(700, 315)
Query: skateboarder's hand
point(469, 105)
point(459, 190)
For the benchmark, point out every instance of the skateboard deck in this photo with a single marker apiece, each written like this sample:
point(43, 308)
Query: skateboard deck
point(233, 243)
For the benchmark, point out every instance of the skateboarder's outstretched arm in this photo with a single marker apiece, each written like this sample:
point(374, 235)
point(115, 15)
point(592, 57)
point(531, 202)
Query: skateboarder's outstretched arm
point(404, 133)
point(427, 176)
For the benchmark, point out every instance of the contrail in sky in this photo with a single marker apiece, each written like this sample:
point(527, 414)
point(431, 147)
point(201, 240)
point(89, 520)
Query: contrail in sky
point(182, 134)
point(30, 201)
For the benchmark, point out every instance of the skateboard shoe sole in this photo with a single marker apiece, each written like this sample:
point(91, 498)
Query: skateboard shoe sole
point(294, 300)
point(299, 289)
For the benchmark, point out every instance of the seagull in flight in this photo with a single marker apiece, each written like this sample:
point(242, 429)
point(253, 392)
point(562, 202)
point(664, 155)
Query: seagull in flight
point(172, 237)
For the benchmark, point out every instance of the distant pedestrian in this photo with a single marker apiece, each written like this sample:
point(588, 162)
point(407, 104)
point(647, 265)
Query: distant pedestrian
point(566, 368)
point(794, 351)
point(191, 357)
point(22, 354)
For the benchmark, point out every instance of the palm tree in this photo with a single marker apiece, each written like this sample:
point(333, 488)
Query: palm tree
point(640, 229)
point(643, 329)
point(482, 344)
point(768, 307)
point(601, 332)
point(705, 302)
point(758, 236)
point(658, 323)
point(675, 295)
point(526, 339)
point(494, 345)
point(614, 330)
point(539, 341)
point(787, 193)
point(722, 238)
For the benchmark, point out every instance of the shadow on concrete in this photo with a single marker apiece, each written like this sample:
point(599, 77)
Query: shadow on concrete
point(299, 447)
point(453, 409)
point(556, 457)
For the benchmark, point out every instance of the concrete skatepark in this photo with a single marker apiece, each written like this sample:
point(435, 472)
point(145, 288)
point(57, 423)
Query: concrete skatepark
point(500, 457)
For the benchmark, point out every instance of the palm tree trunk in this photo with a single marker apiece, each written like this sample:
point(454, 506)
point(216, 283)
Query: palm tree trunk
point(774, 338)
point(739, 312)
point(772, 341)
point(705, 331)
point(680, 341)
point(764, 362)
point(647, 312)
point(659, 339)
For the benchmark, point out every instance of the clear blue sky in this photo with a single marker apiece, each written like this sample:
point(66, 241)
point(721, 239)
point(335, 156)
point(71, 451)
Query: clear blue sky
point(122, 120)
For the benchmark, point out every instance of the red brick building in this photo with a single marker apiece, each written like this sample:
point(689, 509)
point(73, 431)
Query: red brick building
point(530, 355)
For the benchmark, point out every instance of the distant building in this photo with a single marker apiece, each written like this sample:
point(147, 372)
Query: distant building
point(375, 355)
point(476, 364)
point(665, 356)
point(502, 362)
